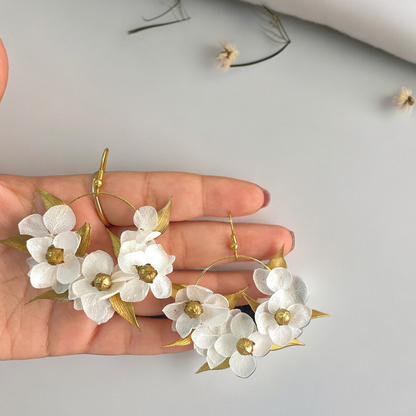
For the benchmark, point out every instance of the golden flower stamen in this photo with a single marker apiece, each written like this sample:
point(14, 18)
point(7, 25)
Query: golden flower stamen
point(102, 281)
point(282, 316)
point(147, 273)
point(54, 255)
point(245, 346)
point(193, 308)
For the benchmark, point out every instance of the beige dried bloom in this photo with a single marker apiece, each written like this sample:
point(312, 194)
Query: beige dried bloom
point(227, 56)
point(404, 100)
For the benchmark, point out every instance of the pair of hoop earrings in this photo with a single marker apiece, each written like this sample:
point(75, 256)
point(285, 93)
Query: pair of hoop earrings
point(224, 335)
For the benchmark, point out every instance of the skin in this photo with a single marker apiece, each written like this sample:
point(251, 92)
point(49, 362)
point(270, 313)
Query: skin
point(4, 69)
point(48, 328)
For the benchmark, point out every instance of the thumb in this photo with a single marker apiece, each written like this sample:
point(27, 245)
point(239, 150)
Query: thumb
point(4, 69)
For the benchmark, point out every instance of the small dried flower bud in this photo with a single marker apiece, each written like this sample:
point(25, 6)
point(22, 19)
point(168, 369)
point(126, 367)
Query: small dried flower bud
point(147, 273)
point(102, 282)
point(54, 255)
point(193, 309)
point(404, 100)
point(227, 56)
point(245, 346)
point(282, 316)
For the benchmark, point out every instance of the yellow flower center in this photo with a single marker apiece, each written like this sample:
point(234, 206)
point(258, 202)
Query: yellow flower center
point(282, 316)
point(147, 273)
point(102, 282)
point(245, 346)
point(54, 255)
point(193, 309)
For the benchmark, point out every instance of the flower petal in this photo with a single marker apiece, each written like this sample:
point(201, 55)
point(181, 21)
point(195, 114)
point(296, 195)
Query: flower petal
point(262, 344)
point(98, 310)
point(157, 257)
point(300, 315)
point(203, 337)
point(129, 246)
point(82, 287)
point(218, 300)
point(146, 218)
point(242, 365)
point(281, 335)
point(78, 304)
point(199, 293)
point(38, 247)
point(69, 270)
point(134, 291)
point(59, 219)
point(182, 296)
point(296, 332)
point(33, 225)
point(200, 351)
point(68, 241)
point(59, 287)
point(226, 345)
point(242, 326)
point(280, 300)
point(129, 261)
point(214, 358)
point(174, 310)
point(213, 315)
point(279, 279)
point(161, 287)
point(127, 236)
point(260, 277)
point(43, 275)
point(185, 324)
point(264, 321)
point(97, 262)
point(299, 290)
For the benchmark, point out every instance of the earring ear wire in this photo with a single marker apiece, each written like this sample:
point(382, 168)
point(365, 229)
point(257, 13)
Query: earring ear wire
point(97, 182)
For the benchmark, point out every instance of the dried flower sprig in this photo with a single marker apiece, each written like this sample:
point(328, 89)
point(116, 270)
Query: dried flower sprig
point(404, 100)
point(177, 7)
point(227, 56)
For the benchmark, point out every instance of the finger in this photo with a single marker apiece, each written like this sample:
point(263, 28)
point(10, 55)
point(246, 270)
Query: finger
point(4, 69)
point(192, 195)
point(119, 337)
point(199, 243)
point(224, 283)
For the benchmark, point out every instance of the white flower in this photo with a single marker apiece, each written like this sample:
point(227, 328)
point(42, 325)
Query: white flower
point(404, 100)
point(270, 282)
point(143, 270)
point(96, 285)
point(242, 344)
point(227, 56)
point(145, 219)
point(282, 320)
point(204, 338)
point(53, 262)
point(195, 305)
point(57, 220)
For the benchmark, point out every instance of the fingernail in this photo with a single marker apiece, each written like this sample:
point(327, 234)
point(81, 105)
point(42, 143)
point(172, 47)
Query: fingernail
point(293, 240)
point(267, 198)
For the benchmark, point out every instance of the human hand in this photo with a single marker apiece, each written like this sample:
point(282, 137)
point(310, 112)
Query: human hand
point(49, 328)
point(4, 69)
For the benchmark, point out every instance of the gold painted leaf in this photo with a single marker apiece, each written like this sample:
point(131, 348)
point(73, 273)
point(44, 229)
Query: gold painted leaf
point(175, 288)
point(278, 260)
point(18, 242)
point(51, 295)
point(115, 241)
point(317, 314)
point(293, 342)
point(225, 364)
point(164, 218)
point(235, 297)
point(48, 199)
point(85, 233)
point(181, 342)
point(253, 303)
point(124, 309)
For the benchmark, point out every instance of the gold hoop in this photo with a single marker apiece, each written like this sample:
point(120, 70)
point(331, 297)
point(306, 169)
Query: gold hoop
point(97, 182)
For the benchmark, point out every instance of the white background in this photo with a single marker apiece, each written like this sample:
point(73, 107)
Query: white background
point(315, 126)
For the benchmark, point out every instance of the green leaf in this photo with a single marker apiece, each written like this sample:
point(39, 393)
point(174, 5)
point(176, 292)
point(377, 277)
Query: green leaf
point(48, 199)
point(18, 242)
point(116, 243)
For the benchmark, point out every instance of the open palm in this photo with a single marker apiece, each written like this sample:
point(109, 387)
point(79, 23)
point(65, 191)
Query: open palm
point(46, 327)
